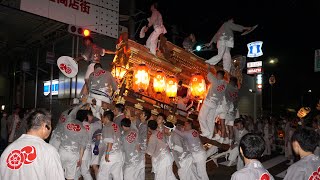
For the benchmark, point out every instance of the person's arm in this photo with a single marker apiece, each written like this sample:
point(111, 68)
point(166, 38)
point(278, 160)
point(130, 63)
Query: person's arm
point(180, 133)
point(151, 146)
point(295, 173)
point(108, 135)
point(109, 147)
point(151, 20)
point(211, 77)
point(237, 27)
point(107, 51)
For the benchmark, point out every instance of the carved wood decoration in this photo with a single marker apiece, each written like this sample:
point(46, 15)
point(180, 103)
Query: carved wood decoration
point(171, 59)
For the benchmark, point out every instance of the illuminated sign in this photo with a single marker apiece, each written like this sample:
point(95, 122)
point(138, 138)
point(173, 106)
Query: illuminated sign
point(259, 81)
point(55, 87)
point(254, 70)
point(254, 64)
point(254, 49)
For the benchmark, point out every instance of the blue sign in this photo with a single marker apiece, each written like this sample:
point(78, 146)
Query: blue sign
point(255, 49)
point(55, 87)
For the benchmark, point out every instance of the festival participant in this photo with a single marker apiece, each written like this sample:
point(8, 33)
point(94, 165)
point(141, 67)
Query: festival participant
point(189, 42)
point(194, 144)
point(214, 98)
point(89, 157)
point(102, 85)
point(13, 123)
point(161, 119)
point(232, 105)
point(72, 139)
point(134, 165)
point(304, 142)
point(225, 41)
point(91, 54)
point(30, 157)
point(181, 155)
point(118, 114)
point(161, 157)
point(111, 163)
point(156, 21)
point(183, 105)
point(251, 149)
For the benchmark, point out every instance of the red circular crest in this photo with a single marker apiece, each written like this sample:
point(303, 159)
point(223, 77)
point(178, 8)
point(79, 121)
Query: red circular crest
point(15, 159)
point(160, 135)
point(315, 175)
point(195, 133)
point(115, 127)
point(265, 176)
point(29, 153)
point(76, 127)
point(68, 70)
point(87, 126)
point(220, 88)
point(62, 66)
point(131, 137)
point(62, 118)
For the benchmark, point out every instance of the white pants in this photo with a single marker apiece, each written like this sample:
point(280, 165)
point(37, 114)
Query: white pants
point(187, 169)
point(136, 172)
point(85, 164)
point(223, 53)
point(268, 146)
point(163, 168)
point(69, 163)
point(234, 155)
point(199, 159)
point(206, 119)
point(152, 41)
point(111, 170)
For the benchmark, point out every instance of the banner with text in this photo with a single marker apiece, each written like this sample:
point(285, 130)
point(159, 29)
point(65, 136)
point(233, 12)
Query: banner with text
point(101, 16)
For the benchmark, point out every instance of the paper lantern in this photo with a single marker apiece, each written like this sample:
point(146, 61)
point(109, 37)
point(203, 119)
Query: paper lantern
point(141, 78)
point(171, 87)
point(197, 85)
point(118, 72)
point(303, 112)
point(159, 82)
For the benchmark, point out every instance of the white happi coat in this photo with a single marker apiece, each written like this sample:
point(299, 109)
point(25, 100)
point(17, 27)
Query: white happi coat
point(208, 111)
point(182, 157)
point(134, 163)
point(234, 153)
point(113, 169)
point(307, 168)
point(30, 158)
point(161, 158)
point(198, 153)
point(252, 171)
point(231, 94)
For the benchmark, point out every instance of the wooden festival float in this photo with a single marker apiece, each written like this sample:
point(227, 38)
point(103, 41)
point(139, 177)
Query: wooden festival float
point(150, 81)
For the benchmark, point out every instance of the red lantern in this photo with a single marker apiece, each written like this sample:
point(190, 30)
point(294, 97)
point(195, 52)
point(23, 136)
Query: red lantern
point(159, 82)
point(141, 78)
point(197, 85)
point(171, 87)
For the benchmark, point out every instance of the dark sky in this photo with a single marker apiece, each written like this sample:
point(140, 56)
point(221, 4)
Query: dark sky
point(290, 30)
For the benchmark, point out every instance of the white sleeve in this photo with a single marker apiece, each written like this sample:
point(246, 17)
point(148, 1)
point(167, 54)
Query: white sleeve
point(53, 167)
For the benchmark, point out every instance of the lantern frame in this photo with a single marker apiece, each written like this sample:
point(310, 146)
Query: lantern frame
point(195, 78)
point(171, 86)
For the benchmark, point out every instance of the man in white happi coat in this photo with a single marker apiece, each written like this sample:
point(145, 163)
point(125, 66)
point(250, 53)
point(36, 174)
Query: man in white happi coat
point(156, 21)
point(232, 105)
point(111, 164)
point(134, 163)
point(225, 41)
point(162, 159)
point(181, 155)
point(304, 142)
point(195, 146)
point(89, 157)
point(118, 113)
point(30, 157)
point(251, 148)
point(212, 104)
point(72, 138)
point(102, 85)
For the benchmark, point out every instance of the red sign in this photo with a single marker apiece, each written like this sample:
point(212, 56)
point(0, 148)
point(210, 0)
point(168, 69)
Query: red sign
point(254, 70)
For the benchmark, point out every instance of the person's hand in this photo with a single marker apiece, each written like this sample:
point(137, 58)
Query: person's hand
point(146, 29)
point(208, 44)
point(127, 113)
point(247, 28)
point(107, 158)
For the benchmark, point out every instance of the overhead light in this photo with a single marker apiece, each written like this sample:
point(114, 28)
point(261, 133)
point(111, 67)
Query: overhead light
point(2, 107)
point(309, 91)
point(198, 48)
point(271, 61)
point(250, 90)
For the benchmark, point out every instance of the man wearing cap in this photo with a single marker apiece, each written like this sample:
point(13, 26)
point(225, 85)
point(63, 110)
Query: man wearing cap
point(181, 155)
point(91, 54)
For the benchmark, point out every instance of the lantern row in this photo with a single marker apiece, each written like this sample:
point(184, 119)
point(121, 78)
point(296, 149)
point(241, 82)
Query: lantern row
point(161, 82)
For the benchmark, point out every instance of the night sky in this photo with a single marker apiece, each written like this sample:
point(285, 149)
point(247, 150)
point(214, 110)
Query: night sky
point(289, 30)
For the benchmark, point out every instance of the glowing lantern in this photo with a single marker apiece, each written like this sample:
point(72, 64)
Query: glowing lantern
point(171, 87)
point(303, 112)
point(197, 85)
point(159, 82)
point(141, 78)
point(86, 32)
point(118, 72)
